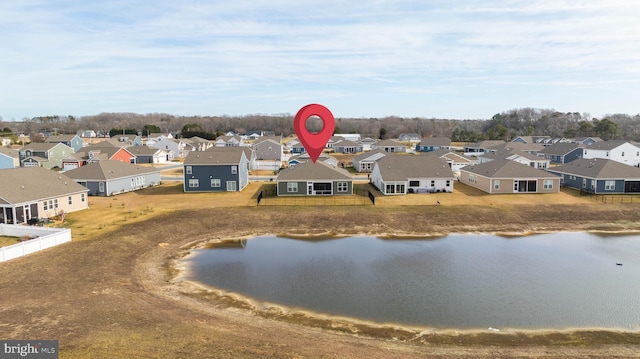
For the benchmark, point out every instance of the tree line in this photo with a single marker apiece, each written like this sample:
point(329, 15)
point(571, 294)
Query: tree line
point(505, 125)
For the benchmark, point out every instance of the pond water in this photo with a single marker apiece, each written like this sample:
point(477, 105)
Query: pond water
point(551, 281)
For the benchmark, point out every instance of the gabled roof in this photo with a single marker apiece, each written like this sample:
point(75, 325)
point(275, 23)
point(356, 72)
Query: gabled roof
point(526, 147)
point(511, 154)
point(314, 171)
point(560, 148)
point(60, 138)
point(248, 151)
point(503, 168)
point(435, 141)
point(108, 170)
point(607, 145)
point(346, 143)
point(216, 156)
point(582, 139)
point(105, 148)
point(387, 143)
point(9, 152)
point(276, 139)
point(41, 147)
point(143, 150)
point(374, 155)
point(598, 168)
point(449, 155)
point(304, 157)
point(367, 140)
point(26, 184)
point(403, 167)
point(486, 144)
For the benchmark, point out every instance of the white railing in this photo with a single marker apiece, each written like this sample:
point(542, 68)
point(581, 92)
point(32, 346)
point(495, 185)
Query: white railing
point(42, 238)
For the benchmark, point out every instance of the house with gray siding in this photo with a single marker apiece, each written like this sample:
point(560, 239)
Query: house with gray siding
point(146, 154)
point(389, 146)
point(433, 144)
point(110, 177)
point(402, 174)
point(600, 176)
point(562, 152)
point(314, 179)
point(481, 147)
point(346, 146)
point(73, 141)
point(35, 192)
point(269, 153)
point(502, 176)
point(47, 155)
point(219, 169)
point(365, 162)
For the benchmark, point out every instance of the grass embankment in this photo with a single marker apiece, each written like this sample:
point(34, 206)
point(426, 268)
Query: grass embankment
point(8, 240)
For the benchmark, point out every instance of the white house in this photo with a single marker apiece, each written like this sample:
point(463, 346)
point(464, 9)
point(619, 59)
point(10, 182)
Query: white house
point(619, 151)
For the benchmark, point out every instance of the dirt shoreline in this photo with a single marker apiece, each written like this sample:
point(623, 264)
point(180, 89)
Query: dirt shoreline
point(113, 296)
point(397, 331)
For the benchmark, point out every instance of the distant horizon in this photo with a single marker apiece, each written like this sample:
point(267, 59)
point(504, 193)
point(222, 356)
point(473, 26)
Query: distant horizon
point(451, 60)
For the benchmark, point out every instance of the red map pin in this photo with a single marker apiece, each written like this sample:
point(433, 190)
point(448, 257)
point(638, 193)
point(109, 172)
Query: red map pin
point(314, 143)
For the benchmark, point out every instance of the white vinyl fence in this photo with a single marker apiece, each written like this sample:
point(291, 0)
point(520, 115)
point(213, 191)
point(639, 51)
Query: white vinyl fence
point(42, 238)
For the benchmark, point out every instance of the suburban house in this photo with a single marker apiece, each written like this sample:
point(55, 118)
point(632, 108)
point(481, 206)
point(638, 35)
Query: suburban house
point(217, 170)
point(506, 176)
point(177, 148)
point(619, 151)
point(397, 174)
point(5, 141)
point(366, 143)
point(332, 140)
point(303, 158)
point(87, 133)
point(562, 152)
point(156, 137)
point(298, 148)
point(107, 151)
point(346, 146)
point(229, 141)
point(269, 153)
point(126, 140)
point(314, 179)
point(532, 148)
point(433, 144)
point(599, 176)
point(109, 177)
point(455, 160)
point(35, 192)
point(9, 158)
point(353, 137)
point(248, 153)
point(389, 146)
point(365, 162)
point(199, 143)
point(409, 137)
point(517, 156)
point(146, 154)
point(73, 141)
point(47, 155)
point(480, 147)
point(531, 139)
point(587, 141)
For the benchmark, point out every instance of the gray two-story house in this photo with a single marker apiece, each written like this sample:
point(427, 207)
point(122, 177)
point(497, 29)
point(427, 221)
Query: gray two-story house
point(219, 170)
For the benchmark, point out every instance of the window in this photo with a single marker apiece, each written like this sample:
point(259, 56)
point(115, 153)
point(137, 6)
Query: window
point(622, 153)
point(584, 183)
point(343, 187)
point(547, 184)
point(133, 182)
point(433, 183)
point(292, 187)
point(82, 197)
point(448, 183)
point(473, 178)
point(215, 182)
point(496, 184)
point(70, 200)
point(100, 186)
point(55, 203)
point(46, 207)
point(414, 183)
point(609, 185)
point(400, 188)
point(189, 170)
point(193, 183)
point(391, 188)
point(234, 170)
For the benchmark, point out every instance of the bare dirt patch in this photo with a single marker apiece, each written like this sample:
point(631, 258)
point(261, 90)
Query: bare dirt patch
point(111, 292)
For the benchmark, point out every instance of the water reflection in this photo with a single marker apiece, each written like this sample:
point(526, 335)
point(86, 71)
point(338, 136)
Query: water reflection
point(561, 280)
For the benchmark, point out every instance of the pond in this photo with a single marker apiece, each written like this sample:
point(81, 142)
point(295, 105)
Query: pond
point(547, 281)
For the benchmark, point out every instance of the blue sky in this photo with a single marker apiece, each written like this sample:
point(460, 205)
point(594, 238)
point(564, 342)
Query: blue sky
point(446, 59)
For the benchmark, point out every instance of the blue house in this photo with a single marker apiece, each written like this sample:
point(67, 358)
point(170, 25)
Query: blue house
point(217, 170)
point(73, 141)
point(9, 158)
point(298, 148)
point(433, 144)
point(599, 176)
point(562, 152)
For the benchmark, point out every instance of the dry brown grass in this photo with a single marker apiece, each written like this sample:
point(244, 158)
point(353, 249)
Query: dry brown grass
point(8, 240)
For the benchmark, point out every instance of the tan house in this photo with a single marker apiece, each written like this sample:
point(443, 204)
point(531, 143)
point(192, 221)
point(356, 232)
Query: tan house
point(506, 176)
point(29, 193)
